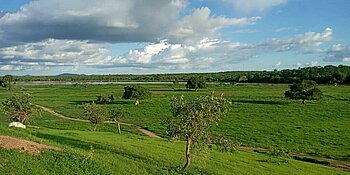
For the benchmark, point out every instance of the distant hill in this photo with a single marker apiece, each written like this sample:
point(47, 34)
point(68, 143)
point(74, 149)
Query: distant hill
point(70, 74)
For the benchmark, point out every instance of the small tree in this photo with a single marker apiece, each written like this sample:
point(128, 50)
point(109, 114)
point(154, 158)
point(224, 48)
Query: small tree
point(115, 116)
point(96, 114)
point(19, 108)
point(305, 90)
point(104, 98)
point(196, 83)
point(136, 92)
point(192, 119)
point(7, 81)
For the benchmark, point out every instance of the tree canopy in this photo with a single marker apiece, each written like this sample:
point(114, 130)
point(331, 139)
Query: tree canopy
point(19, 108)
point(196, 83)
point(136, 92)
point(305, 90)
point(96, 114)
point(191, 120)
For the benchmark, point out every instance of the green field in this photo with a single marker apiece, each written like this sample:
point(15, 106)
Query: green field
point(260, 117)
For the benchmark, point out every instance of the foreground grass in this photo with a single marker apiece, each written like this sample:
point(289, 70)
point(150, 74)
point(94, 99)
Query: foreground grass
point(260, 116)
point(86, 152)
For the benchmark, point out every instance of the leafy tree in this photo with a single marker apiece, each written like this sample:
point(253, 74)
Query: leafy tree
point(104, 98)
point(191, 120)
point(136, 92)
point(305, 90)
point(196, 83)
point(115, 116)
point(96, 114)
point(7, 81)
point(19, 108)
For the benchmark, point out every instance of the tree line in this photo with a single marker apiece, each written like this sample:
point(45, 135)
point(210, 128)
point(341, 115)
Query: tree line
point(321, 75)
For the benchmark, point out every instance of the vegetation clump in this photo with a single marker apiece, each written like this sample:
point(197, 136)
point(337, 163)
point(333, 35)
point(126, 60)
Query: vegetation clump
point(196, 83)
point(96, 114)
point(192, 119)
point(7, 82)
point(115, 116)
point(136, 92)
point(305, 90)
point(104, 99)
point(19, 108)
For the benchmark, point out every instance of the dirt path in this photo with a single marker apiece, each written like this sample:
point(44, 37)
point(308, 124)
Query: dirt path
point(24, 145)
point(144, 131)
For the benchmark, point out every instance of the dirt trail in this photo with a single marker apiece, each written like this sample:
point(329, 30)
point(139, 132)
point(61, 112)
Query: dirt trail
point(24, 145)
point(144, 131)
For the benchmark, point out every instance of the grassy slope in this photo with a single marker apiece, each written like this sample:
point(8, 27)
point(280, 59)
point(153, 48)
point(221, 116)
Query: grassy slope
point(132, 154)
point(261, 116)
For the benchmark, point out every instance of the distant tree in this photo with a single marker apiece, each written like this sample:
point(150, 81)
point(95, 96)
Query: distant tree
point(338, 77)
point(196, 83)
point(191, 120)
point(104, 98)
point(136, 92)
point(7, 81)
point(96, 114)
point(115, 116)
point(305, 90)
point(19, 108)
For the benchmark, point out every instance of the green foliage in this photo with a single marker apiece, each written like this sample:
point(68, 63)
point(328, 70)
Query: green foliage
point(136, 92)
point(261, 116)
point(105, 98)
point(305, 90)
point(19, 108)
point(96, 114)
point(7, 81)
point(194, 118)
point(196, 83)
point(116, 114)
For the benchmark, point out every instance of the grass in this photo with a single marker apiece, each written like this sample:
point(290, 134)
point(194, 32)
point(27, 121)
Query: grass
point(260, 117)
point(87, 152)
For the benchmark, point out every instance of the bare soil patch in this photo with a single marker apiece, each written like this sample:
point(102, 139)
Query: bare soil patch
point(24, 145)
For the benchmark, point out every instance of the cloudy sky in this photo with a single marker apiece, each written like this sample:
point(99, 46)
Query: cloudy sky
point(48, 37)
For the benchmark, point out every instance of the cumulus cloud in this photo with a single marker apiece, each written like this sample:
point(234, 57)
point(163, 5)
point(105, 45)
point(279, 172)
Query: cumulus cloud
point(201, 24)
point(52, 52)
point(337, 53)
point(101, 21)
point(10, 68)
point(203, 54)
point(249, 6)
point(305, 43)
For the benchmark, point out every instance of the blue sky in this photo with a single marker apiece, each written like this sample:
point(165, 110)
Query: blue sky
point(48, 37)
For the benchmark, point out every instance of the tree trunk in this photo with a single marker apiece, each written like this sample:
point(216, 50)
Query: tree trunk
point(95, 126)
point(188, 158)
point(118, 124)
point(303, 101)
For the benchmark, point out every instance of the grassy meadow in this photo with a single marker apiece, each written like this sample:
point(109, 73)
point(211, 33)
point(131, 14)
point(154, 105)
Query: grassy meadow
point(260, 117)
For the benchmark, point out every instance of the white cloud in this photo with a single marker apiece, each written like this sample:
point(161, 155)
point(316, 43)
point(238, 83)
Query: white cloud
point(286, 29)
point(249, 6)
point(201, 24)
point(305, 43)
point(203, 54)
point(277, 64)
point(10, 68)
point(337, 53)
point(103, 20)
point(54, 52)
